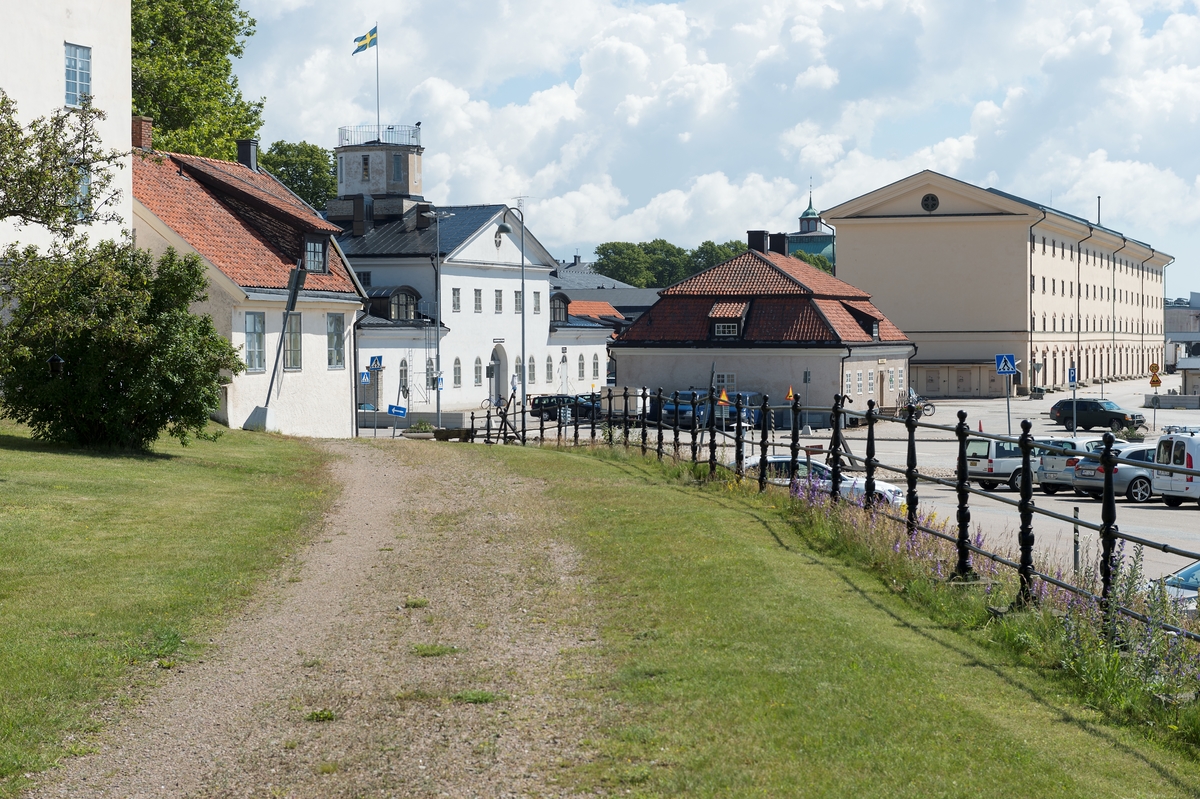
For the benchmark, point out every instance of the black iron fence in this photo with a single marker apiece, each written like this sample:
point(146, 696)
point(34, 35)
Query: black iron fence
point(694, 429)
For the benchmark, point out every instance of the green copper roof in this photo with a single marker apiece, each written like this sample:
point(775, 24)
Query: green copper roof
point(811, 213)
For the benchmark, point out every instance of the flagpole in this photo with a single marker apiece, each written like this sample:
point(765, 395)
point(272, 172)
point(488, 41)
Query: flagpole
point(378, 124)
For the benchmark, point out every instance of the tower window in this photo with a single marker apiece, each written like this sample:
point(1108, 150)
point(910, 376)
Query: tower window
point(366, 167)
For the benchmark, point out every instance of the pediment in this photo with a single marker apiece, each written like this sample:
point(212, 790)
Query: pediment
point(905, 198)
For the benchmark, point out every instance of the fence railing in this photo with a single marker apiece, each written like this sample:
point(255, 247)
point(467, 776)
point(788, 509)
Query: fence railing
point(646, 425)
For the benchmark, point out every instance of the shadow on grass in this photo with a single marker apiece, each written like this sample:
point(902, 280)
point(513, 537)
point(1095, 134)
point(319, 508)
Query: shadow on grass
point(16, 443)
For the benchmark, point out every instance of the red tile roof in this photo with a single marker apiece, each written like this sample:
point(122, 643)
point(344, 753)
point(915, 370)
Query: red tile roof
point(728, 310)
point(235, 218)
point(593, 308)
point(756, 273)
point(786, 319)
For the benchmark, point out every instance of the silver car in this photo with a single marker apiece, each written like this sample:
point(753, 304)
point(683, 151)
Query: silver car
point(853, 484)
point(1056, 472)
point(1136, 483)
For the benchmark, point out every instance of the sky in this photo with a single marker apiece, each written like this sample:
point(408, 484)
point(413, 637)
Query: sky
point(700, 120)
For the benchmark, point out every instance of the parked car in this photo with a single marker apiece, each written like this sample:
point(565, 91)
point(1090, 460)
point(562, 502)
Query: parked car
point(994, 462)
point(853, 484)
point(1184, 585)
point(1135, 483)
point(1095, 413)
point(547, 406)
point(1057, 472)
point(1177, 450)
point(551, 406)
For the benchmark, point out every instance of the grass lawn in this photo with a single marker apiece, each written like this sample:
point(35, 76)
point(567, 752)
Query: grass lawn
point(744, 664)
point(109, 562)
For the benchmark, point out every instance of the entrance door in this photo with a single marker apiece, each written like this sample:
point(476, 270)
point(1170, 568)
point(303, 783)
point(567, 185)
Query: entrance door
point(933, 382)
point(496, 383)
point(994, 384)
point(962, 382)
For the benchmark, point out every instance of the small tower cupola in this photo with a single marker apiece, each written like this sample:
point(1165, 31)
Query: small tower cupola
point(810, 219)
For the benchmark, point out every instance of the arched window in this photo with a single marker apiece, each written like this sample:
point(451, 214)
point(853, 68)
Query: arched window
point(581, 367)
point(532, 370)
point(518, 367)
point(479, 371)
point(457, 373)
point(430, 378)
point(404, 373)
point(558, 310)
point(403, 307)
point(549, 368)
point(596, 367)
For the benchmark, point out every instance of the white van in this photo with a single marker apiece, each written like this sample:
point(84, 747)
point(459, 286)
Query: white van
point(1177, 449)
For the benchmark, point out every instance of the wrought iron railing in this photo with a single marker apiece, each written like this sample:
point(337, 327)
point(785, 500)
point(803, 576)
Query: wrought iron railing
point(379, 134)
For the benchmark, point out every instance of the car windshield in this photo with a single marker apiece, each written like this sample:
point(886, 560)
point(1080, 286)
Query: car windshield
point(1109, 405)
point(1187, 577)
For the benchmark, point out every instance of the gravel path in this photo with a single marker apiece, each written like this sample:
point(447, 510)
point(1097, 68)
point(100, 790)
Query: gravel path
point(331, 637)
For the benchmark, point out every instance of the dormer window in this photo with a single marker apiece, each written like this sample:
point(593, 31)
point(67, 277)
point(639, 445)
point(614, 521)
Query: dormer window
point(875, 330)
point(403, 307)
point(558, 310)
point(314, 253)
point(725, 329)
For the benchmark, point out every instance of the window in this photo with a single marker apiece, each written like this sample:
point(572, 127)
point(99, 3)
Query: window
point(314, 254)
point(581, 367)
point(341, 168)
point(403, 307)
point(537, 302)
point(900, 378)
point(558, 310)
point(518, 302)
point(256, 341)
point(518, 367)
point(335, 340)
point(366, 167)
point(1053, 286)
point(455, 300)
point(478, 300)
point(1032, 284)
point(871, 382)
point(596, 367)
point(549, 367)
point(364, 278)
point(479, 371)
point(291, 342)
point(849, 382)
point(430, 377)
point(891, 379)
point(457, 373)
point(725, 329)
point(532, 370)
point(499, 301)
point(404, 373)
point(858, 381)
point(397, 166)
point(1043, 323)
point(1043, 285)
point(79, 74)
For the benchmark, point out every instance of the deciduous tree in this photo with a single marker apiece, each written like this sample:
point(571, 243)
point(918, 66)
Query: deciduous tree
point(307, 169)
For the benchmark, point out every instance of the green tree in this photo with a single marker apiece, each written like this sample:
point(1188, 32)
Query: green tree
point(624, 261)
point(817, 260)
point(137, 361)
point(183, 74)
point(668, 263)
point(307, 169)
point(709, 254)
point(54, 172)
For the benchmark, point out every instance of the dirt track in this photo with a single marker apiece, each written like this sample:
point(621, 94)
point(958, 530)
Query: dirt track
point(329, 636)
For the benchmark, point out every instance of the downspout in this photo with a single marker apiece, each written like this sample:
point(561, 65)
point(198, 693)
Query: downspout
point(1032, 247)
point(1142, 302)
point(1163, 308)
point(842, 387)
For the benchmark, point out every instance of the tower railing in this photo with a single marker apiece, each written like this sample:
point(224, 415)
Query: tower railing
point(379, 134)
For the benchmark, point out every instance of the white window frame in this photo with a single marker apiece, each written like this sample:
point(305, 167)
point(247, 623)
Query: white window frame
point(900, 378)
point(582, 368)
point(858, 381)
point(518, 301)
point(849, 383)
point(478, 300)
point(726, 380)
point(403, 375)
point(532, 370)
point(335, 340)
point(256, 341)
point(549, 368)
point(537, 302)
point(456, 300)
point(293, 343)
point(871, 382)
point(595, 366)
point(78, 82)
point(479, 371)
point(725, 329)
point(457, 373)
point(499, 300)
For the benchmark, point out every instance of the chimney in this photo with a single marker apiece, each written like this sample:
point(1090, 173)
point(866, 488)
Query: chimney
point(779, 243)
point(757, 240)
point(248, 153)
point(577, 260)
point(143, 133)
point(364, 212)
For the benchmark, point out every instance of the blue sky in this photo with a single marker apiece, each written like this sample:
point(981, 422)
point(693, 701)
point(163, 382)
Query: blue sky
point(699, 120)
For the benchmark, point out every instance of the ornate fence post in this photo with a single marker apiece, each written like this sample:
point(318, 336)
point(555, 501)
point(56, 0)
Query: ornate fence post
point(625, 416)
point(869, 483)
point(610, 418)
point(575, 420)
point(911, 471)
point(712, 431)
point(593, 411)
point(541, 428)
point(835, 449)
point(487, 431)
point(524, 419)
point(675, 402)
point(660, 423)
point(472, 426)
point(693, 427)
point(962, 569)
point(641, 415)
point(1108, 537)
point(795, 437)
point(739, 441)
point(1025, 508)
point(762, 455)
point(558, 419)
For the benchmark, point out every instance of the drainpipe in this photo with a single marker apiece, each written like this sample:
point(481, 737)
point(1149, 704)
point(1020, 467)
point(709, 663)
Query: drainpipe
point(1164, 307)
point(1032, 247)
point(842, 387)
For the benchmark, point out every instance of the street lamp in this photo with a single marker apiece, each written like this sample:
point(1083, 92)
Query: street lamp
point(437, 217)
point(56, 362)
point(504, 227)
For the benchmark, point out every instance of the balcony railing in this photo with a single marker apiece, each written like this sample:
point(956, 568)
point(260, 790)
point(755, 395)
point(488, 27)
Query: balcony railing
point(379, 134)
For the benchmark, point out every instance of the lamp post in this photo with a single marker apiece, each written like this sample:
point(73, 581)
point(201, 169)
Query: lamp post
point(437, 217)
point(504, 227)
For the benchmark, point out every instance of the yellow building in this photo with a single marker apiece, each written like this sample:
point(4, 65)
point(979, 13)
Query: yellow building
point(969, 273)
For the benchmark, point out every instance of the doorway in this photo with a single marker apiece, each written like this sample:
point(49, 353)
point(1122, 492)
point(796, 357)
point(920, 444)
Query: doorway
point(932, 382)
point(497, 385)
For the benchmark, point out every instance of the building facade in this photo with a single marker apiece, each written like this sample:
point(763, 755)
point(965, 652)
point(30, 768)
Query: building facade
point(971, 273)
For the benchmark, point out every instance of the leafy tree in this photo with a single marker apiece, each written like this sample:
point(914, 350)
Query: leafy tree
point(54, 172)
point(659, 262)
point(709, 254)
point(624, 261)
point(137, 361)
point(668, 263)
point(183, 74)
point(817, 260)
point(307, 169)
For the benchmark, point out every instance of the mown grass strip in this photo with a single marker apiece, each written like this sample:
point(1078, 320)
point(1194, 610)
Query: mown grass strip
point(108, 561)
point(743, 663)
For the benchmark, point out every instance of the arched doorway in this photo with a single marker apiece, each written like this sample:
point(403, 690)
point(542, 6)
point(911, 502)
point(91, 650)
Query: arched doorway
point(498, 382)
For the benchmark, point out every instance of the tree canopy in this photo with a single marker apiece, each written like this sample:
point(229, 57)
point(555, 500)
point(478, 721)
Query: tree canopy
point(307, 169)
point(814, 259)
point(183, 53)
point(660, 263)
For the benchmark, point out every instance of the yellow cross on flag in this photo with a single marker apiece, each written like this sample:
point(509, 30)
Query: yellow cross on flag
point(367, 40)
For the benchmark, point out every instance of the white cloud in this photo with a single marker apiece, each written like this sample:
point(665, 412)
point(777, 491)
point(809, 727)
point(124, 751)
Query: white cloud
point(820, 76)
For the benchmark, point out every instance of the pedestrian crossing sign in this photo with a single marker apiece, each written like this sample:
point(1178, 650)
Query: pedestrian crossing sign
point(376, 362)
point(364, 378)
point(1006, 365)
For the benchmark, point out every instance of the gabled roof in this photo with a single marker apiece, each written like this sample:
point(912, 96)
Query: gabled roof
point(400, 239)
point(245, 223)
point(592, 308)
point(756, 273)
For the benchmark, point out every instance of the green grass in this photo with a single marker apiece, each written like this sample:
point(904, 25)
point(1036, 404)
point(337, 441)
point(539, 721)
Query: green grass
point(740, 662)
point(433, 650)
point(111, 561)
point(477, 697)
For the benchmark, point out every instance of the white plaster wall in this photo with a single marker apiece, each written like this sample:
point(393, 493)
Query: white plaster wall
point(32, 68)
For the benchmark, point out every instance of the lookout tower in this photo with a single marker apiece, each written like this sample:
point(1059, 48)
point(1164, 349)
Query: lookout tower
point(378, 171)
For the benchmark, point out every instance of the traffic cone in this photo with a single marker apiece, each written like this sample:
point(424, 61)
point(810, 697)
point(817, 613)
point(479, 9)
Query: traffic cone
point(981, 425)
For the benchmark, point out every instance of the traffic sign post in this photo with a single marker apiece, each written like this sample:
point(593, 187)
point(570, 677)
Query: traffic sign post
point(1006, 364)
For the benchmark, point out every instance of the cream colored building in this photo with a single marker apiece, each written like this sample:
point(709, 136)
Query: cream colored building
point(969, 273)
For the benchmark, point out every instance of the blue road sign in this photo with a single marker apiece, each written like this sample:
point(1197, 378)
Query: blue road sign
point(364, 378)
point(440, 379)
point(397, 410)
point(1006, 364)
point(376, 362)
point(1071, 375)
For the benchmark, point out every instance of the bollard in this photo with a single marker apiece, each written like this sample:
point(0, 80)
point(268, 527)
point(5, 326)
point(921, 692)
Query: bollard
point(739, 453)
point(793, 463)
point(660, 422)
point(712, 431)
point(1108, 537)
point(641, 415)
point(869, 483)
point(962, 569)
point(693, 427)
point(1025, 507)
point(835, 449)
point(911, 472)
point(675, 402)
point(762, 456)
point(1076, 537)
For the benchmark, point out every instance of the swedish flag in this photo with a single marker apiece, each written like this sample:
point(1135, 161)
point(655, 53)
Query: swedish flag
point(369, 40)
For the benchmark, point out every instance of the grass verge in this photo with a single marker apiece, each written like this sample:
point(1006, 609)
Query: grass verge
point(743, 662)
point(108, 562)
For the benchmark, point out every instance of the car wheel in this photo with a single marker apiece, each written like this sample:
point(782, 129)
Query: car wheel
point(1172, 502)
point(1087, 427)
point(988, 485)
point(1140, 490)
point(1014, 482)
point(1116, 426)
point(1069, 424)
point(1050, 490)
point(1096, 495)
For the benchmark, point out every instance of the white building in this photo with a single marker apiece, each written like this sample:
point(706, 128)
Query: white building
point(393, 241)
point(54, 53)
